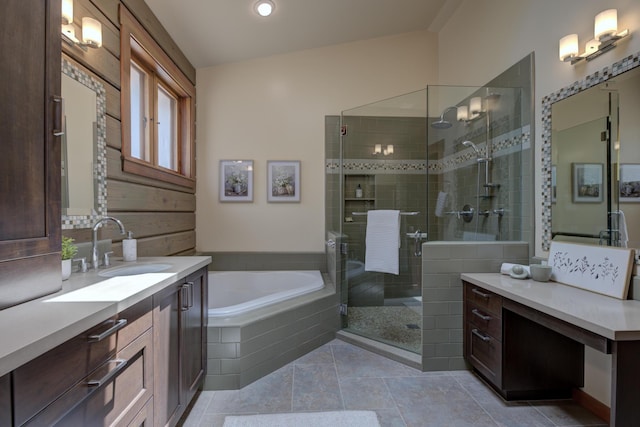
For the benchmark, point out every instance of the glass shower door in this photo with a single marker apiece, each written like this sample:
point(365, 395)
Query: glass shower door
point(384, 168)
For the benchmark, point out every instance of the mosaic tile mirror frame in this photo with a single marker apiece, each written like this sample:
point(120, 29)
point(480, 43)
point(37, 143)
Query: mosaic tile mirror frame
point(617, 68)
point(100, 160)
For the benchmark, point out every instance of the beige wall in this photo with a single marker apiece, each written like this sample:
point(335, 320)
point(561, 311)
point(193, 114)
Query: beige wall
point(484, 38)
point(273, 109)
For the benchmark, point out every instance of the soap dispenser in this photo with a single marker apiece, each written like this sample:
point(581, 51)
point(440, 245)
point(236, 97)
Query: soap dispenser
point(129, 247)
point(358, 191)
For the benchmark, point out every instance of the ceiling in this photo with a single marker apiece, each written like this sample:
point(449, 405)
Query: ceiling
point(213, 32)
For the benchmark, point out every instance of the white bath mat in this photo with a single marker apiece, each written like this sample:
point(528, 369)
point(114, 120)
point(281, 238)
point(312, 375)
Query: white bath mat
point(306, 419)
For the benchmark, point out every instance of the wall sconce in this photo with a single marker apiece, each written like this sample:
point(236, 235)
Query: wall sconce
point(91, 29)
point(474, 111)
point(605, 37)
point(377, 149)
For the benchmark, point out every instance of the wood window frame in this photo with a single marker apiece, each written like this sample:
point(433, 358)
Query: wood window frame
point(136, 42)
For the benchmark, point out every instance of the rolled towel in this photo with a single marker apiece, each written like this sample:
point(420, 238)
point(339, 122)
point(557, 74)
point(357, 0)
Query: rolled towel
point(506, 267)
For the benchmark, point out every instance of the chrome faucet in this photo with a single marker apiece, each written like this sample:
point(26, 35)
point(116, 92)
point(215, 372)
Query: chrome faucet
point(95, 259)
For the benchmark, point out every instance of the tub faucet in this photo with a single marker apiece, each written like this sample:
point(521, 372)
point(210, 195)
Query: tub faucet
point(95, 260)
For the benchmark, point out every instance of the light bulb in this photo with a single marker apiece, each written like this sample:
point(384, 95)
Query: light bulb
point(91, 32)
point(606, 24)
point(568, 47)
point(265, 7)
point(67, 12)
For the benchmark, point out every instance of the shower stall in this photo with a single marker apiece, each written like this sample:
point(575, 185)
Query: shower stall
point(448, 158)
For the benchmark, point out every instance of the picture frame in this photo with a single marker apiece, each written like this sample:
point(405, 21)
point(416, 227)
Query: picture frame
point(283, 181)
point(629, 185)
point(587, 182)
point(236, 181)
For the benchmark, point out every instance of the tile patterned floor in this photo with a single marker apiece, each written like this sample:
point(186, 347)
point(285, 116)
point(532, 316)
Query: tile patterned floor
point(340, 376)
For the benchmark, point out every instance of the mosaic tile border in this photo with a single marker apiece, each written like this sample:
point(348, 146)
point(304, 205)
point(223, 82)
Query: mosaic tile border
point(100, 170)
point(502, 145)
point(626, 64)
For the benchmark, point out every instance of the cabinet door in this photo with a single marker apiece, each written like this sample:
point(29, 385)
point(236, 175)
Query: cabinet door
point(30, 214)
point(5, 401)
point(167, 322)
point(194, 333)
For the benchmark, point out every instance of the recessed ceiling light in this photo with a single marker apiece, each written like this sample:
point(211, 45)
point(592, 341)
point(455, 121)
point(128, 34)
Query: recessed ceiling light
point(265, 7)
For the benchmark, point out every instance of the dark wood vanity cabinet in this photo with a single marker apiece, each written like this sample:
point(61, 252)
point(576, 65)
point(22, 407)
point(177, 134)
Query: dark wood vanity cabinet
point(180, 320)
point(514, 349)
point(30, 213)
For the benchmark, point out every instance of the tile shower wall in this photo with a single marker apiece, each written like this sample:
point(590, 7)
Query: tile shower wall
point(442, 264)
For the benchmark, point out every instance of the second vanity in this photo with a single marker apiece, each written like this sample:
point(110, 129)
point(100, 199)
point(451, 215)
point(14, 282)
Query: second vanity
point(122, 350)
point(527, 339)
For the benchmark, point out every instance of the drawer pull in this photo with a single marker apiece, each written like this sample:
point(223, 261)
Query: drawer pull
point(480, 315)
point(479, 335)
point(479, 293)
point(119, 324)
point(120, 364)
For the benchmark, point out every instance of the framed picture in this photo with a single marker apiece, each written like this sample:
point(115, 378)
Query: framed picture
point(236, 180)
point(587, 182)
point(283, 181)
point(629, 183)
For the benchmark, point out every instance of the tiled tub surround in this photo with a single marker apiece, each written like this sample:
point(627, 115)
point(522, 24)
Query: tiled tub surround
point(442, 264)
point(246, 347)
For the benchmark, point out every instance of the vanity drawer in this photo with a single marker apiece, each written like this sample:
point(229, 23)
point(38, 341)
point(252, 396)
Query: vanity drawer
point(139, 318)
point(487, 322)
point(41, 381)
point(121, 387)
point(483, 299)
point(485, 354)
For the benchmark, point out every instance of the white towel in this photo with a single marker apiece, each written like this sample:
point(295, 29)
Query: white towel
point(623, 234)
point(506, 267)
point(382, 241)
point(440, 203)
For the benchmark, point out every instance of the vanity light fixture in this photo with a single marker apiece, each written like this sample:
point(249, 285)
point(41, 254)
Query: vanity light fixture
point(264, 7)
point(473, 112)
point(91, 29)
point(605, 37)
point(377, 149)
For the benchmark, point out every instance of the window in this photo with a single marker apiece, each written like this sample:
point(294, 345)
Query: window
point(157, 109)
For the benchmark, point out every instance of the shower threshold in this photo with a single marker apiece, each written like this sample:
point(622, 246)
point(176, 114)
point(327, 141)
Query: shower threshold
point(390, 352)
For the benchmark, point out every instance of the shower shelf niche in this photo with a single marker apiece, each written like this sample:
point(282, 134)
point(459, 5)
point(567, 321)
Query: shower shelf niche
point(358, 204)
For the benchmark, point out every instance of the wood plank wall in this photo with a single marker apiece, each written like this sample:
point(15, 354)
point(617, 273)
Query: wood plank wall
point(161, 215)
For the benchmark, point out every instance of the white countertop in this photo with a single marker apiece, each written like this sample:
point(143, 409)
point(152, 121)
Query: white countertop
point(606, 316)
point(30, 329)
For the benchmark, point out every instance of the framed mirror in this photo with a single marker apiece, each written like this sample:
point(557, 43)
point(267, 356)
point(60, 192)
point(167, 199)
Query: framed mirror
point(573, 188)
point(84, 163)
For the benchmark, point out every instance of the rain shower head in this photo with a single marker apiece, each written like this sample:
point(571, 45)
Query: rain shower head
point(442, 123)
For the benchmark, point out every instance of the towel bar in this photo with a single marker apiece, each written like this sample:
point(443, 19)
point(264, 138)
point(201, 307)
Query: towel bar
point(401, 213)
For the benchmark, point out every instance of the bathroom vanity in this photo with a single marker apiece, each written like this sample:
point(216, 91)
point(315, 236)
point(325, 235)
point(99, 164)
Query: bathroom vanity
point(123, 350)
point(527, 339)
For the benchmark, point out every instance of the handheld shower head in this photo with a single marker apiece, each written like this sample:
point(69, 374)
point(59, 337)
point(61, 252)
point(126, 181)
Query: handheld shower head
point(442, 123)
point(473, 146)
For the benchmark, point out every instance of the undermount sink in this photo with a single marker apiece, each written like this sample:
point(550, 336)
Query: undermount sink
point(132, 270)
